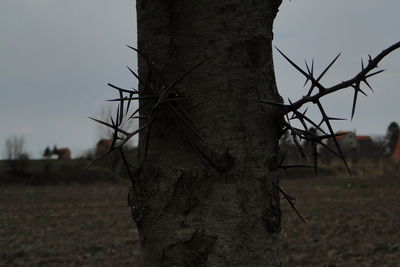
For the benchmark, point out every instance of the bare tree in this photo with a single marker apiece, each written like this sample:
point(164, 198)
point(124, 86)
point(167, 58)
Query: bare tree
point(206, 191)
point(15, 147)
point(16, 155)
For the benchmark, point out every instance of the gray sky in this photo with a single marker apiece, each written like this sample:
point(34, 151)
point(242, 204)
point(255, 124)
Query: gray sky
point(56, 58)
point(320, 29)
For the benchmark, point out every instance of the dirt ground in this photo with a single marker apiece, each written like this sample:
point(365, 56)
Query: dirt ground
point(350, 222)
point(72, 225)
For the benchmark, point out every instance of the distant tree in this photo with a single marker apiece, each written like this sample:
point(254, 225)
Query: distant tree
point(17, 157)
point(15, 147)
point(55, 150)
point(392, 135)
point(47, 153)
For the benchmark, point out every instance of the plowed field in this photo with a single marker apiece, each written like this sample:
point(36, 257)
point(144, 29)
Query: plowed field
point(350, 222)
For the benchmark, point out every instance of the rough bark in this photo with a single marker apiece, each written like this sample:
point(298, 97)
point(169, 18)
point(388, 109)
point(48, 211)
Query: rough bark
point(189, 212)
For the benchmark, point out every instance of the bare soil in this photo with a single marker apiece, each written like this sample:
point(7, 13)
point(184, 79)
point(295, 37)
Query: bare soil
point(71, 225)
point(350, 222)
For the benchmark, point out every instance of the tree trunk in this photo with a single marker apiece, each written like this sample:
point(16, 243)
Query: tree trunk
point(212, 201)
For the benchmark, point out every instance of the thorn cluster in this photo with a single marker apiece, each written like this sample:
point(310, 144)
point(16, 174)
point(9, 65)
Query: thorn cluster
point(291, 112)
point(157, 97)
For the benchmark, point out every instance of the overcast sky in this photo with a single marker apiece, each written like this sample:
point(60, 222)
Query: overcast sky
point(56, 58)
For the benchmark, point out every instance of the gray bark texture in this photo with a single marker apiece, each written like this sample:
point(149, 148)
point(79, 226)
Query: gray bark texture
point(213, 202)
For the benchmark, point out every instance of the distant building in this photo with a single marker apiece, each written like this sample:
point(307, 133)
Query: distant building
point(350, 142)
point(63, 153)
point(103, 146)
point(347, 140)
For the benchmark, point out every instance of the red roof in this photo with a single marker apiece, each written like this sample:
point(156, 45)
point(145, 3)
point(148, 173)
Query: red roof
point(363, 138)
point(342, 134)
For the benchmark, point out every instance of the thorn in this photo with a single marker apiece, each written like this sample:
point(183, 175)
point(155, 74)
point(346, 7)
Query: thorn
point(318, 127)
point(283, 106)
point(139, 108)
point(328, 124)
point(140, 117)
point(131, 98)
point(182, 76)
point(335, 119)
point(323, 73)
point(353, 109)
point(362, 92)
point(185, 121)
point(357, 89)
point(112, 122)
point(369, 86)
point(121, 110)
point(312, 68)
point(309, 72)
point(112, 126)
point(290, 201)
point(373, 74)
point(119, 88)
point(197, 148)
point(129, 103)
point(151, 65)
point(292, 63)
point(136, 76)
point(118, 113)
